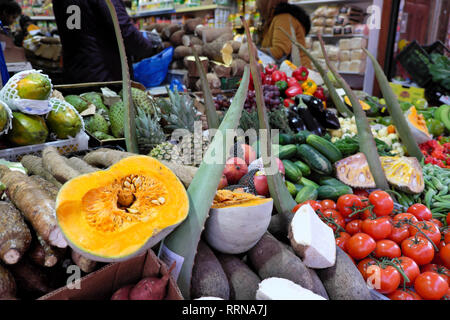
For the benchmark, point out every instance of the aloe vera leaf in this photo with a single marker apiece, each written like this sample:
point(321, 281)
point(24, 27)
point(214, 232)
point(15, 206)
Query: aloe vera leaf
point(366, 140)
point(340, 105)
point(282, 199)
point(129, 116)
point(395, 111)
point(211, 114)
point(295, 53)
point(184, 239)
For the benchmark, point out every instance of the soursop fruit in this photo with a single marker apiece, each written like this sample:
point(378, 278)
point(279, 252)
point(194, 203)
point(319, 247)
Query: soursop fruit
point(116, 118)
point(77, 102)
point(95, 123)
point(102, 136)
point(96, 99)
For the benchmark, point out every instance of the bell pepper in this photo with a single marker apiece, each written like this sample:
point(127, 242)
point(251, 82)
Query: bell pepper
point(288, 102)
point(309, 87)
point(320, 94)
point(268, 79)
point(278, 76)
point(281, 85)
point(270, 68)
point(301, 74)
point(291, 81)
point(293, 91)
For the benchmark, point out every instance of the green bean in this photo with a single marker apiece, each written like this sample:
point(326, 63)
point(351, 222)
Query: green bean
point(428, 196)
point(437, 183)
point(443, 191)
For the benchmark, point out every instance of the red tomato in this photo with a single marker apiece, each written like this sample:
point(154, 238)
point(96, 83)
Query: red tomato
point(384, 279)
point(444, 254)
point(420, 211)
point(410, 268)
point(446, 234)
point(399, 294)
point(431, 286)
point(447, 295)
point(328, 204)
point(405, 217)
point(399, 233)
point(342, 240)
point(361, 192)
point(428, 228)
point(347, 203)
point(441, 270)
point(387, 248)
point(378, 229)
point(419, 249)
point(360, 245)
point(364, 264)
point(382, 202)
point(354, 226)
point(336, 216)
point(448, 219)
point(314, 204)
point(414, 294)
point(437, 222)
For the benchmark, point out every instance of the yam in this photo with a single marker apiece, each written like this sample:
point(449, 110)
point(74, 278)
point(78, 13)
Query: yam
point(191, 66)
point(7, 284)
point(47, 186)
point(220, 51)
point(208, 277)
point(166, 44)
point(175, 39)
point(188, 40)
point(242, 280)
point(283, 289)
point(238, 67)
point(210, 34)
point(34, 166)
point(221, 70)
point(29, 278)
point(236, 45)
point(191, 24)
point(177, 64)
point(160, 27)
point(55, 163)
point(312, 239)
point(169, 30)
point(213, 82)
point(35, 204)
point(42, 254)
point(244, 53)
point(270, 258)
point(181, 51)
point(15, 237)
point(343, 281)
point(80, 165)
point(86, 265)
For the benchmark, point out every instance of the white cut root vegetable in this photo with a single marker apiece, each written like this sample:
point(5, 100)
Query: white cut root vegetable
point(283, 289)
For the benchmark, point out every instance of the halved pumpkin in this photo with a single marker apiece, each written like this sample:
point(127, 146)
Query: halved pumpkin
point(404, 173)
point(417, 125)
point(118, 213)
point(365, 106)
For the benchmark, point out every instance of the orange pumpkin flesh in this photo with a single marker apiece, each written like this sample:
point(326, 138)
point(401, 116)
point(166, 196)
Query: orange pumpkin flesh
point(112, 214)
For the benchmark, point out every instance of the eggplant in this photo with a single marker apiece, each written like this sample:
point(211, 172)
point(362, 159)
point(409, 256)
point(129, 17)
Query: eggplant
point(330, 120)
point(312, 124)
point(315, 105)
point(295, 122)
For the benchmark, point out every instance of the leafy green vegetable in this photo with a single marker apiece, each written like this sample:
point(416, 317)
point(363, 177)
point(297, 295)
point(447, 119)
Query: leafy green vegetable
point(440, 70)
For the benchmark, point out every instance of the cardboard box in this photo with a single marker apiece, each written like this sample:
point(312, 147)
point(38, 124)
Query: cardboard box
point(101, 284)
point(407, 94)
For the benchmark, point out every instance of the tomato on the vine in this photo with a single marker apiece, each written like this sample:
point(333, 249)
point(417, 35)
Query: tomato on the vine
point(444, 254)
point(360, 245)
point(341, 240)
point(387, 248)
point(389, 278)
point(447, 219)
point(431, 286)
point(446, 234)
point(405, 217)
point(382, 202)
point(441, 270)
point(347, 203)
point(410, 268)
point(437, 222)
point(399, 232)
point(428, 228)
point(420, 211)
point(315, 205)
point(361, 192)
point(335, 216)
point(419, 249)
point(364, 264)
point(328, 204)
point(400, 294)
point(378, 229)
point(353, 226)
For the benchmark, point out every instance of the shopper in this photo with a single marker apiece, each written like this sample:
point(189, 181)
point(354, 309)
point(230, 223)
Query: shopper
point(10, 10)
point(90, 52)
point(277, 14)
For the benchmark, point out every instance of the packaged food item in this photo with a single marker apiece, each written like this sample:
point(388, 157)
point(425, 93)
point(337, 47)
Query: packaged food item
point(332, 11)
point(308, 42)
point(318, 22)
point(358, 54)
point(317, 54)
point(342, 20)
point(344, 44)
point(338, 30)
point(357, 66)
point(348, 29)
point(358, 43)
point(317, 30)
point(344, 55)
point(328, 30)
point(316, 46)
point(333, 53)
point(350, 10)
point(329, 22)
point(320, 11)
point(344, 66)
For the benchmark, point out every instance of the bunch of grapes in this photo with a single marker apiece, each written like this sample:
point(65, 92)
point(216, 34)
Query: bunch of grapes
point(221, 102)
point(271, 98)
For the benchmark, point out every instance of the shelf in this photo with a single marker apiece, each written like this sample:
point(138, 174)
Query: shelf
point(321, 2)
point(149, 13)
point(42, 18)
point(351, 73)
point(201, 8)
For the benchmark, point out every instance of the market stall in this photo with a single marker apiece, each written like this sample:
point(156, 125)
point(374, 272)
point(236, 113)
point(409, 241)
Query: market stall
point(232, 178)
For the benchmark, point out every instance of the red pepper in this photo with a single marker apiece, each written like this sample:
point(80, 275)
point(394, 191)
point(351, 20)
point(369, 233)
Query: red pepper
point(288, 102)
point(268, 79)
point(291, 81)
point(270, 68)
point(278, 76)
point(320, 94)
point(301, 74)
point(293, 91)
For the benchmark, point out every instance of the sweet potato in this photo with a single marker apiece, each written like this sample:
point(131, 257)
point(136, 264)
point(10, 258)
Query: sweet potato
point(122, 293)
point(86, 265)
point(15, 237)
point(191, 24)
point(242, 280)
point(34, 166)
point(343, 281)
point(176, 37)
point(55, 163)
point(208, 277)
point(7, 284)
point(270, 258)
point(151, 288)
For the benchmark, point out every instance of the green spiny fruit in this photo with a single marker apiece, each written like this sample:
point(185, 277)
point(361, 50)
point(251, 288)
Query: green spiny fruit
point(163, 151)
point(148, 131)
point(102, 136)
point(95, 123)
point(77, 102)
point(116, 118)
point(96, 99)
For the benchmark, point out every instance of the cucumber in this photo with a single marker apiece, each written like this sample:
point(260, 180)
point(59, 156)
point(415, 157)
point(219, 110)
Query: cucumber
point(301, 136)
point(275, 149)
point(285, 139)
point(333, 192)
point(325, 147)
point(298, 187)
point(307, 182)
point(307, 193)
point(306, 171)
point(287, 152)
point(330, 181)
point(314, 159)
point(292, 172)
point(291, 188)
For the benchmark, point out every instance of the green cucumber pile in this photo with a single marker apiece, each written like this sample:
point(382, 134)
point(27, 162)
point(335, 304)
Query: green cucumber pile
point(308, 162)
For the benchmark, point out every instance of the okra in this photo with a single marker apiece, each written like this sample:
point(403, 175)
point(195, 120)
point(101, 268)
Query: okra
point(428, 197)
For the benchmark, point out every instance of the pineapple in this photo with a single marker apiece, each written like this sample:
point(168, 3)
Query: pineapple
point(148, 130)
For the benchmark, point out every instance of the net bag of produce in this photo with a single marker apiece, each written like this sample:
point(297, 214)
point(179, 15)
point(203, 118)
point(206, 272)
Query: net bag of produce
point(63, 120)
point(28, 92)
point(5, 118)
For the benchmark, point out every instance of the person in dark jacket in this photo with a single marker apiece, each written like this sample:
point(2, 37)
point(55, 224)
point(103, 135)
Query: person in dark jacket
point(90, 52)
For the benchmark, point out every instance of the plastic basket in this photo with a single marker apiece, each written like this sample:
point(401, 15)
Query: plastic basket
point(415, 60)
point(79, 143)
point(152, 71)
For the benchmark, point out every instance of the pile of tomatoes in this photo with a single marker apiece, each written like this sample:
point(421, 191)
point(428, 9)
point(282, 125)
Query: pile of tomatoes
point(403, 255)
